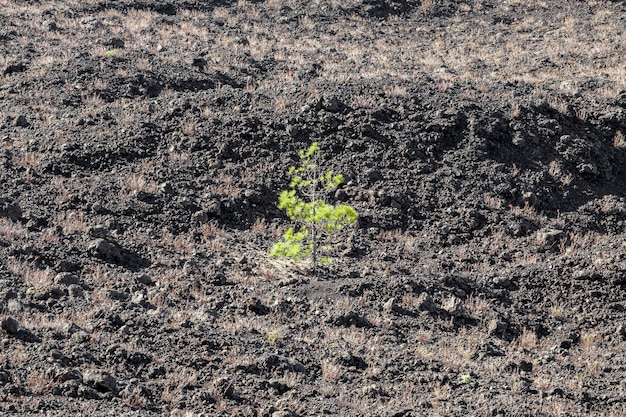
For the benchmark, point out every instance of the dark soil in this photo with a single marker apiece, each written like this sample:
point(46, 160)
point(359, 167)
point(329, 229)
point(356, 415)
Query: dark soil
point(142, 148)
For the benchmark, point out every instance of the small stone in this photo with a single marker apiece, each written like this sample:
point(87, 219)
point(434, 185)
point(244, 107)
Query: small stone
point(105, 250)
point(293, 131)
point(98, 231)
point(20, 121)
point(10, 325)
point(390, 306)
point(56, 354)
point(138, 298)
point(548, 236)
point(75, 291)
point(424, 302)
point(66, 278)
point(99, 380)
point(526, 366)
point(374, 175)
point(144, 279)
point(588, 169)
point(497, 328)
point(49, 25)
point(166, 188)
point(117, 295)
point(332, 104)
point(223, 387)
point(10, 209)
point(97, 207)
point(199, 217)
point(5, 377)
point(453, 306)
point(213, 208)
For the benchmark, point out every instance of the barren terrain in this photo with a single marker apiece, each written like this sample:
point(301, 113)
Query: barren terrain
point(142, 148)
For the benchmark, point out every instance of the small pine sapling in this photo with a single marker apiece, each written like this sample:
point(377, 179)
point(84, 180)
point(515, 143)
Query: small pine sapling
point(304, 204)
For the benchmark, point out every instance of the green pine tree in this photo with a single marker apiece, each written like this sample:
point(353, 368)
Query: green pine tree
point(304, 204)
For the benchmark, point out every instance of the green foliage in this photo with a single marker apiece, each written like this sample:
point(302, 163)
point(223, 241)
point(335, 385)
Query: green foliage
point(273, 337)
point(304, 204)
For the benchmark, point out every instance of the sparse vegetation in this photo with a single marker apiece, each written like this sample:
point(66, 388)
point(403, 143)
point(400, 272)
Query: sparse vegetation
point(483, 146)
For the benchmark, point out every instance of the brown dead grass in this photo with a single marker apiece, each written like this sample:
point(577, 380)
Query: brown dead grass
point(562, 53)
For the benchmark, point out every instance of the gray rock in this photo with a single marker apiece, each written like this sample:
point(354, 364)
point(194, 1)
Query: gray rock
point(21, 121)
point(213, 207)
point(498, 328)
point(68, 388)
point(10, 209)
point(75, 291)
point(223, 387)
point(117, 295)
point(86, 392)
point(293, 130)
point(425, 302)
point(14, 68)
point(97, 231)
point(101, 381)
point(66, 278)
point(548, 236)
point(390, 306)
point(144, 279)
point(374, 175)
point(5, 377)
point(49, 25)
point(332, 104)
point(10, 325)
point(199, 217)
point(588, 169)
point(166, 188)
point(105, 250)
point(454, 306)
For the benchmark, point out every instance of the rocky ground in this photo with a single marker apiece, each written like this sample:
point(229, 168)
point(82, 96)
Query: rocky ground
point(142, 148)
